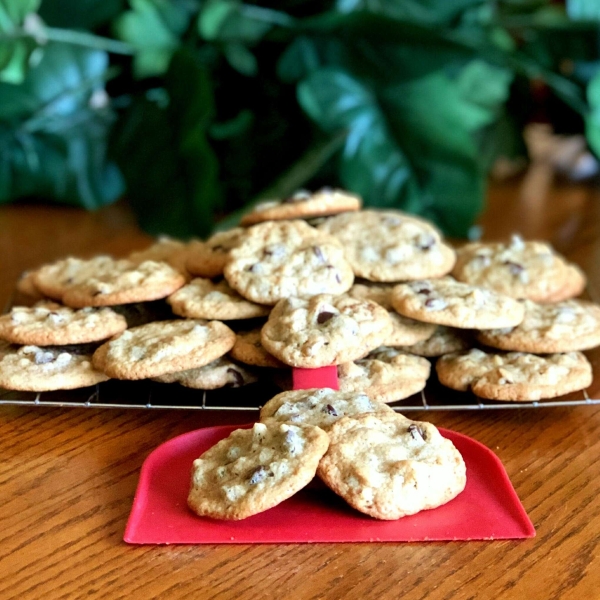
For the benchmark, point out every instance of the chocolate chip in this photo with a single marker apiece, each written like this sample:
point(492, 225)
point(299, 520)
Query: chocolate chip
point(238, 379)
point(435, 303)
point(425, 242)
point(330, 410)
point(42, 358)
point(258, 475)
point(291, 441)
point(324, 316)
point(392, 221)
point(319, 253)
point(416, 432)
point(276, 250)
point(337, 275)
point(424, 291)
point(250, 268)
point(514, 268)
point(299, 196)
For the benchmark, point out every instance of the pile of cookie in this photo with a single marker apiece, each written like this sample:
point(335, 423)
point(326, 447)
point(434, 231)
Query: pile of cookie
point(380, 462)
point(307, 282)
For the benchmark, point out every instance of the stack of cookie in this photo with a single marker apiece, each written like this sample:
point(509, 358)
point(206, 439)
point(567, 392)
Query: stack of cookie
point(539, 357)
point(310, 281)
point(380, 462)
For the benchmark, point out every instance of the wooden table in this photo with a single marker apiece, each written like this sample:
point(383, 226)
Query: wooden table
point(68, 476)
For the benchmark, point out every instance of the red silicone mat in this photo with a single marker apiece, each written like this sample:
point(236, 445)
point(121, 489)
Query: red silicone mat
point(324, 377)
point(487, 509)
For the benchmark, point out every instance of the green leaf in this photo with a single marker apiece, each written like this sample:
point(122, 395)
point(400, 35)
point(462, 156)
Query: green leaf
point(440, 137)
point(372, 163)
point(583, 10)
point(80, 14)
point(154, 28)
point(233, 127)
point(407, 148)
point(233, 21)
point(371, 45)
point(57, 87)
point(299, 59)
point(172, 177)
point(15, 49)
point(241, 59)
point(13, 12)
point(428, 12)
point(592, 119)
point(54, 128)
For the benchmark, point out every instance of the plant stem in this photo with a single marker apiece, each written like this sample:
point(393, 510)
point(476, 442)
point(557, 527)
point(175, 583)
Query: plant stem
point(70, 36)
point(88, 40)
point(304, 169)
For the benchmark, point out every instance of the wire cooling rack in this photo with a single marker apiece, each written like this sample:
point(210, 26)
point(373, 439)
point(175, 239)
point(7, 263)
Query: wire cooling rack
point(150, 395)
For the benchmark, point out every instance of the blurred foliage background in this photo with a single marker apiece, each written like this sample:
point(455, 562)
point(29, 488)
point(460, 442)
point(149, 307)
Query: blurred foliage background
point(192, 109)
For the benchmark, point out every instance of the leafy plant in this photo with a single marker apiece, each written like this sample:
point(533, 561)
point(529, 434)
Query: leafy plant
point(195, 109)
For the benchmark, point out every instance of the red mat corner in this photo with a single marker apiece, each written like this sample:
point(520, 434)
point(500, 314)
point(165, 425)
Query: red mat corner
point(488, 509)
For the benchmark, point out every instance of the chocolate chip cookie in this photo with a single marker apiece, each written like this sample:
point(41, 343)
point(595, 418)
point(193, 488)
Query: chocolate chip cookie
point(303, 205)
point(321, 407)
point(388, 466)
point(255, 469)
point(324, 330)
point(515, 376)
point(280, 259)
point(390, 245)
point(449, 302)
point(163, 347)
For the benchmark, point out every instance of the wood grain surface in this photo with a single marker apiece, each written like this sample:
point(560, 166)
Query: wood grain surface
point(68, 476)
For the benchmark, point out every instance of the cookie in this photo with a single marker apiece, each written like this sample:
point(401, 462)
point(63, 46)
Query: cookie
point(324, 330)
point(53, 279)
point(320, 407)
point(249, 350)
point(449, 302)
point(222, 372)
point(48, 324)
point(443, 341)
point(163, 347)
point(405, 331)
point(122, 282)
point(255, 469)
point(383, 379)
point(390, 245)
point(207, 259)
point(280, 259)
point(26, 287)
point(547, 328)
point(575, 285)
point(303, 205)
point(388, 467)
point(514, 376)
point(203, 299)
point(527, 270)
point(35, 369)
point(165, 249)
